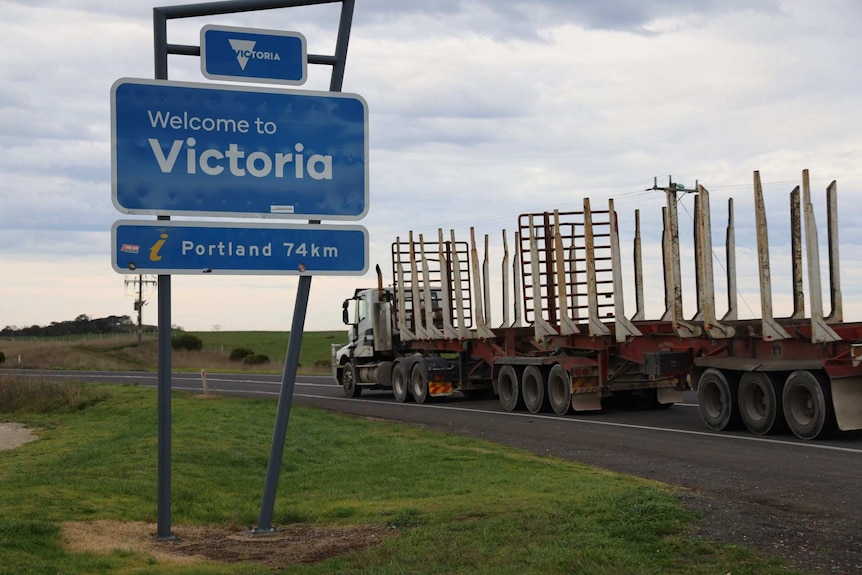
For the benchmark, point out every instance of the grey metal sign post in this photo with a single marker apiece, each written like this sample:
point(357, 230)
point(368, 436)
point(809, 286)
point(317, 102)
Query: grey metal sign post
point(162, 49)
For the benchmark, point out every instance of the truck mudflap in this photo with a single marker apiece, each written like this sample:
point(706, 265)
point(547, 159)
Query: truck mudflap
point(439, 373)
point(439, 388)
point(847, 401)
point(668, 395)
point(586, 398)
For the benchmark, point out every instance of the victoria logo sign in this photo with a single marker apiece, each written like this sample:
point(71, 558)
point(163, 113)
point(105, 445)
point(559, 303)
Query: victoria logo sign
point(253, 55)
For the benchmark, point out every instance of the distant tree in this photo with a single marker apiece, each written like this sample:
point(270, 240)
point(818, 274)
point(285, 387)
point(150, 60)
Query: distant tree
point(83, 324)
point(2, 357)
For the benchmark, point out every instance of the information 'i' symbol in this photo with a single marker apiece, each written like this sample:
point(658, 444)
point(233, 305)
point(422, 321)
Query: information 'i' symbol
point(154, 250)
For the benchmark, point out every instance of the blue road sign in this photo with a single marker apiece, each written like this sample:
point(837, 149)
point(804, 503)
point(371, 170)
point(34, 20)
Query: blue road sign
point(194, 149)
point(252, 55)
point(171, 247)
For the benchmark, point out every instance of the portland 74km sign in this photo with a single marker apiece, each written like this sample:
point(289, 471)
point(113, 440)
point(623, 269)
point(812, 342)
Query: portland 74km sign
point(194, 149)
point(171, 247)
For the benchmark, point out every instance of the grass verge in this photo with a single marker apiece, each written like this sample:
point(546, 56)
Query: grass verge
point(455, 505)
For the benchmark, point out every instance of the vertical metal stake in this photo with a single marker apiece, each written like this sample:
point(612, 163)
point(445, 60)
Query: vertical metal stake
point(285, 399)
point(163, 489)
point(164, 399)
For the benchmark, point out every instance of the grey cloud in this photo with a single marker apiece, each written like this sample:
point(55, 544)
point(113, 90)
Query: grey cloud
point(524, 19)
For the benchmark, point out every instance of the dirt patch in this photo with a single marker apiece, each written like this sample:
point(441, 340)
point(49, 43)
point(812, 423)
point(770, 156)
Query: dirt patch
point(13, 435)
point(290, 545)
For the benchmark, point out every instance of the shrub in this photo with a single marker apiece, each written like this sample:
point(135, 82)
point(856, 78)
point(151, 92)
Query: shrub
point(187, 341)
point(28, 395)
point(256, 359)
point(240, 354)
point(2, 357)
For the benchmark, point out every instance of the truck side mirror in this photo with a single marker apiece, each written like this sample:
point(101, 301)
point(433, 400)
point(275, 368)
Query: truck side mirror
point(345, 316)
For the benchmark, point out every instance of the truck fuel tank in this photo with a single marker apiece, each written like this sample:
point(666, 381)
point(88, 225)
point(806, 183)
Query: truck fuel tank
point(666, 363)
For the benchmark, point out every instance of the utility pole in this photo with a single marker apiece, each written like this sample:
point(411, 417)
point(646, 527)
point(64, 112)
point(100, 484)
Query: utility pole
point(140, 302)
point(672, 187)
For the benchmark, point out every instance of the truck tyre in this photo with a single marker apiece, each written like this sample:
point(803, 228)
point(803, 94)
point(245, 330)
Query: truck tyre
point(760, 403)
point(559, 390)
point(808, 405)
point(717, 399)
point(419, 383)
point(533, 389)
point(509, 388)
point(400, 382)
point(348, 381)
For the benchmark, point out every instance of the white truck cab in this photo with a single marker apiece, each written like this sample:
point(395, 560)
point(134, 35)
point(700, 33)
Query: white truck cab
point(369, 315)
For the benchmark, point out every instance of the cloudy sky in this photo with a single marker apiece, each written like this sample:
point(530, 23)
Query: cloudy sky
point(480, 110)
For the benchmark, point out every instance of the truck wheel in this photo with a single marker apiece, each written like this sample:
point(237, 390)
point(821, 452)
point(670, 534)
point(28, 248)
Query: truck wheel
point(760, 403)
point(399, 382)
point(533, 389)
point(509, 388)
point(808, 405)
point(559, 390)
point(716, 398)
point(419, 383)
point(348, 381)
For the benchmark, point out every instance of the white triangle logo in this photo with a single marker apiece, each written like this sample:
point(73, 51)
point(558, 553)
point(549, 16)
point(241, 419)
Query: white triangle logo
point(241, 47)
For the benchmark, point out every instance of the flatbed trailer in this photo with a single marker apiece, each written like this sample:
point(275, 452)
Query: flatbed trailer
point(569, 346)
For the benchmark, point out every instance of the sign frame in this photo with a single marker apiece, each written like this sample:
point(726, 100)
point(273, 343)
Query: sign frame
point(256, 34)
point(342, 192)
point(279, 231)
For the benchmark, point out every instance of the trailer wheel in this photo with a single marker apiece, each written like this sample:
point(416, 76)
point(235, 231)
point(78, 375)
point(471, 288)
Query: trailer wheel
point(760, 403)
point(509, 389)
point(348, 381)
point(717, 399)
point(559, 390)
point(399, 382)
point(533, 389)
point(808, 405)
point(419, 383)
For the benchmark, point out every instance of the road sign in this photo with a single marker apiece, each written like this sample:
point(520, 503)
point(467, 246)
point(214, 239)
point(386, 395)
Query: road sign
point(194, 149)
point(172, 247)
point(253, 55)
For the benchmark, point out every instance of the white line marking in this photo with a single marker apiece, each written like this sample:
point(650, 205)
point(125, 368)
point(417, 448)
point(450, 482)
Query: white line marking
point(575, 419)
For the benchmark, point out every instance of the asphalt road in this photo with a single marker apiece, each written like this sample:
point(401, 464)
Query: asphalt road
point(798, 499)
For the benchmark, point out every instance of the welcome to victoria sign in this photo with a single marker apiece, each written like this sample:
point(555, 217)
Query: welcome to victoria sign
point(194, 149)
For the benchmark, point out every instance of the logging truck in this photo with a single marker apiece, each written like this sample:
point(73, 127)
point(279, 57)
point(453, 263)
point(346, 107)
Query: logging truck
point(565, 343)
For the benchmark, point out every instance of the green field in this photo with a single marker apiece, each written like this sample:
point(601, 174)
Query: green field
point(315, 351)
point(113, 353)
point(438, 503)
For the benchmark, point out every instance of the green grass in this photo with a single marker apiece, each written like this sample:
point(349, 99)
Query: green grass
point(457, 505)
